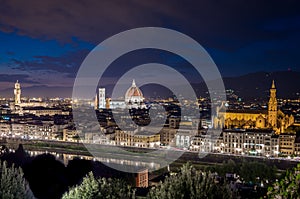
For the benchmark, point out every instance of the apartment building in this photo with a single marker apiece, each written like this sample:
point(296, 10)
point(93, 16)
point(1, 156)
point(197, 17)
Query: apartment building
point(287, 144)
point(137, 138)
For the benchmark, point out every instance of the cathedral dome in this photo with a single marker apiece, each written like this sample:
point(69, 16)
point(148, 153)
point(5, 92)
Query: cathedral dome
point(134, 94)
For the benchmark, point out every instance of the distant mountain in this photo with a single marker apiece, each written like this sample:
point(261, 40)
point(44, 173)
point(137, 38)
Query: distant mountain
point(249, 86)
point(254, 85)
point(257, 85)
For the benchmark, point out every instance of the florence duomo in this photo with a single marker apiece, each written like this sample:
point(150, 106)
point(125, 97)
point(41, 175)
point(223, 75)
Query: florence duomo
point(272, 118)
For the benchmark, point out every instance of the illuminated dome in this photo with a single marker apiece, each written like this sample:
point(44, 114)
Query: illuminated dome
point(134, 95)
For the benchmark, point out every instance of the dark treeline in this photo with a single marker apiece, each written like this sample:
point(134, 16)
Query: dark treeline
point(49, 178)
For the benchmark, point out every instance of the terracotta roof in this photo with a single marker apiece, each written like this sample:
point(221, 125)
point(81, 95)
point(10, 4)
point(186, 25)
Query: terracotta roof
point(249, 111)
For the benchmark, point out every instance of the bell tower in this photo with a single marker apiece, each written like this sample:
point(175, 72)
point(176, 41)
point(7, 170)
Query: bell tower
point(272, 107)
point(17, 92)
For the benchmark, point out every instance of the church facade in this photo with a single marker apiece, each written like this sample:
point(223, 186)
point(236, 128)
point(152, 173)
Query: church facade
point(273, 118)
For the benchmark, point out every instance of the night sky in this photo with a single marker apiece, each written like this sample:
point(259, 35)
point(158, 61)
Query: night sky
point(42, 43)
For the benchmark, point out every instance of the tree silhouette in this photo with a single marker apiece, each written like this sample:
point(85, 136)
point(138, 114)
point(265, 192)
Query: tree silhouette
point(288, 187)
point(192, 184)
point(18, 158)
point(77, 169)
point(92, 188)
point(12, 183)
point(47, 177)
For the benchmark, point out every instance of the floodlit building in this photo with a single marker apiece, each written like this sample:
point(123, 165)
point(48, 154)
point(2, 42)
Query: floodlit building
point(207, 143)
point(141, 178)
point(251, 142)
point(167, 136)
point(137, 138)
point(287, 144)
point(18, 129)
point(262, 119)
point(17, 92)
point(70, 134)
point(5, 129)
point(261, 142)
point(101, 98)
point(134, 97)
point(184, 137)
point(17, 99)
point(42, 111)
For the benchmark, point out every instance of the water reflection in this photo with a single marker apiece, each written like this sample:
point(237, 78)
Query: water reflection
point(66, 157)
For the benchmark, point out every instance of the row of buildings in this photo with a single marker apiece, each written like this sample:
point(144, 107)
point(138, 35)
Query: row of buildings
point(35, 129)
point(272, 118)
point(239, 132)
point(247, 142)
point(260, 142)
point(251, 132)
point(36, 119)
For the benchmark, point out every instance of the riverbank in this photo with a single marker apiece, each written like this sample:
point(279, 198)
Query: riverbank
point(80, 149)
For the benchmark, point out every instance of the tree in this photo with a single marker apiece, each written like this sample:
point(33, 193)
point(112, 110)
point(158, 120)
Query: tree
point(248, 170)
point(256, 171)
point(288, 187)
point(47, 177)
point(12, 183)
point(77, 169)
point(92, 188)
point(190, 183)
point(228, 166)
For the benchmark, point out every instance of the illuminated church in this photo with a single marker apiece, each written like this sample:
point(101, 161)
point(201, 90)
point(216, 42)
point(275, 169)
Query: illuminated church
point(134, 96)
point(269, 119)
point(133, 99)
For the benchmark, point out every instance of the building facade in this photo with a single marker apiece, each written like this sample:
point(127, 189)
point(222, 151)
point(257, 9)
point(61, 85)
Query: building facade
point(287, 144)
point(251, 142)
point(261, 142)
point(261, 119)
point(101, 98)
point(142, 139)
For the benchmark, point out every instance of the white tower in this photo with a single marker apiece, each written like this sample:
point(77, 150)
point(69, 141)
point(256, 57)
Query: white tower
point(17, 92)
point(96, 103)
point(101, 98)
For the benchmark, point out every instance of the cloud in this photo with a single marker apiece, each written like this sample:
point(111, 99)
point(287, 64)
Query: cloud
point(61, 20)
point(67, 64)
point(219, 24)
point(14, 77)
point(236, 34)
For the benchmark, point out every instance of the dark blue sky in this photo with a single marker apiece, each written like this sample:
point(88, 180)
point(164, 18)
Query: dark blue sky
point(42, 43)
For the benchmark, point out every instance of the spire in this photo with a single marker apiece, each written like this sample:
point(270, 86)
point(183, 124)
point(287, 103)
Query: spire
point(273, 84)
point(133, 83)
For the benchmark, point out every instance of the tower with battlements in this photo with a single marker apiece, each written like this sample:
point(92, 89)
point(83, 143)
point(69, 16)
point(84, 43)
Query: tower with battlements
point(17, 92)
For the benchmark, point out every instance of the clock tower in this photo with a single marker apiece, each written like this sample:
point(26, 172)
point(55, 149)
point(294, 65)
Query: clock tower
point(272, 107)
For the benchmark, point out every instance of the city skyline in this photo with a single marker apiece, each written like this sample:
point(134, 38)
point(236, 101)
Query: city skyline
point(149, 99)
